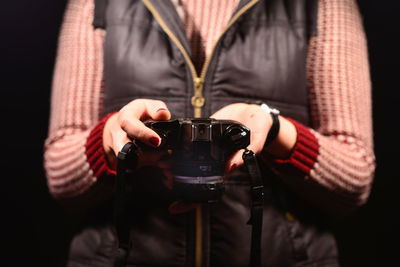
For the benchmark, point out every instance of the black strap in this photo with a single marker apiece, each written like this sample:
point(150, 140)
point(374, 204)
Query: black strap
point(99, 18)
point(257, 196)
point(127, 162)
point(274, 131)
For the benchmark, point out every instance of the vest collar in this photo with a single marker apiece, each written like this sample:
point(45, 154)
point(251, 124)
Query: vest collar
point(168, 14)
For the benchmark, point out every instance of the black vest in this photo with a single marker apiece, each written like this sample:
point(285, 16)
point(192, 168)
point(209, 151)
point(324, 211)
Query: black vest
point(261, 57)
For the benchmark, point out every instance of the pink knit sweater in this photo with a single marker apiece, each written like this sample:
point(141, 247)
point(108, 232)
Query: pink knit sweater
point(332, 163)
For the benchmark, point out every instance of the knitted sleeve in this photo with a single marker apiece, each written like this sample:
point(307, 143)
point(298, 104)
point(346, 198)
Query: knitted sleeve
point(333, 163)
point(74, 158)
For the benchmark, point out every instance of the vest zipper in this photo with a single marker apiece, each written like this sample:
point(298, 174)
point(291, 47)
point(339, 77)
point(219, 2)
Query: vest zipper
point(198, 99)
point(231, 22)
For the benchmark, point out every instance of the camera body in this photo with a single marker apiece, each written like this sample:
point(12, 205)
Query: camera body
point(200, 148)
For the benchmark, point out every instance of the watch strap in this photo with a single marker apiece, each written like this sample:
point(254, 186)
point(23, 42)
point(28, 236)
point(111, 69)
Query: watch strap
point(274, 130)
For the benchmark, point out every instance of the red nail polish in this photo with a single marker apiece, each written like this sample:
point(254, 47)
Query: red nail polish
point(154, 141)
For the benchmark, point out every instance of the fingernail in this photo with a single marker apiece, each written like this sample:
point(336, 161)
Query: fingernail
point(154, 141)
point(161, 109)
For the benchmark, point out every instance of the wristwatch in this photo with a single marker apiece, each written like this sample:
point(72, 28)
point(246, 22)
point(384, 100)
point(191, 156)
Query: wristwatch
point(274, 130)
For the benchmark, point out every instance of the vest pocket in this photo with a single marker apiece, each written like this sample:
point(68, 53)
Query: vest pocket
point(296, 236)
point(291, 221)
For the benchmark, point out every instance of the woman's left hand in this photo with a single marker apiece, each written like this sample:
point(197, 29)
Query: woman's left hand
point(253, 117)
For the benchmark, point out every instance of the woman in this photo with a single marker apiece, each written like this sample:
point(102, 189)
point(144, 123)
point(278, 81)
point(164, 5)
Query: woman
point(306, 58)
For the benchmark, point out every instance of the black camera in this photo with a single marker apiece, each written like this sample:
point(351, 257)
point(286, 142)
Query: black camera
point(200, 149)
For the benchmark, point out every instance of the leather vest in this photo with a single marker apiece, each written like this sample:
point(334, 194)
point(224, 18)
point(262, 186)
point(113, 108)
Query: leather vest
point(260, 57)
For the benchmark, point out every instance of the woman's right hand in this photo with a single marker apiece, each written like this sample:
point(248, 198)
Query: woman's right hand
point(127, 124)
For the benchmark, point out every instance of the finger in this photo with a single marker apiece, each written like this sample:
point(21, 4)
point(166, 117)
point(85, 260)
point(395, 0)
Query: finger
point(119, 140)
point(114, 138)
point(131, 117)
point(234, 161)
point(257, 141)
point(135, 129)
point(144, 109)
point(157, 110)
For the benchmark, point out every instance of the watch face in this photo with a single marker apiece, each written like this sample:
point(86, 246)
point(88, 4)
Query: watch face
point(269, 109)
point(275, 111)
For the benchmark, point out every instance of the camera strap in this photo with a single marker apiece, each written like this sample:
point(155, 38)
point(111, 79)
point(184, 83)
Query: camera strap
point(127, 162)
point(257, 197)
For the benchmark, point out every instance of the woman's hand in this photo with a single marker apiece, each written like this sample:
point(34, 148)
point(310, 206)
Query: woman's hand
point(259, 124)
point(127, 124)
point(253, 117)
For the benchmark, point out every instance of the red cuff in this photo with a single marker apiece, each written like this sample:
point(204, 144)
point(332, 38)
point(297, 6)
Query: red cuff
point(304, 154)
point(95, 153)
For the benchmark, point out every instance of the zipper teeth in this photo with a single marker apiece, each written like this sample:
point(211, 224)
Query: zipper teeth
point(233, 20)
point(199, 237)
point(182, 49)
point(172, 36)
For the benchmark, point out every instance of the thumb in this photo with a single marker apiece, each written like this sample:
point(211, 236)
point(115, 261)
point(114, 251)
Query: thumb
point(234, 161)
point(157, 110)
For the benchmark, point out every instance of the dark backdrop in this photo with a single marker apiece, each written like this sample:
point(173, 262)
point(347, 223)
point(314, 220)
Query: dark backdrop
point(36, 230)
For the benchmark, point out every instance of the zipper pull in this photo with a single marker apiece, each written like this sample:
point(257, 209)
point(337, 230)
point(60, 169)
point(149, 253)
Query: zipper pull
point(198, 99)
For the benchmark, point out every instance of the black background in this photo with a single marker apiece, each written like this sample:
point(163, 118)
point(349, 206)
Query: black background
point(35, 229)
